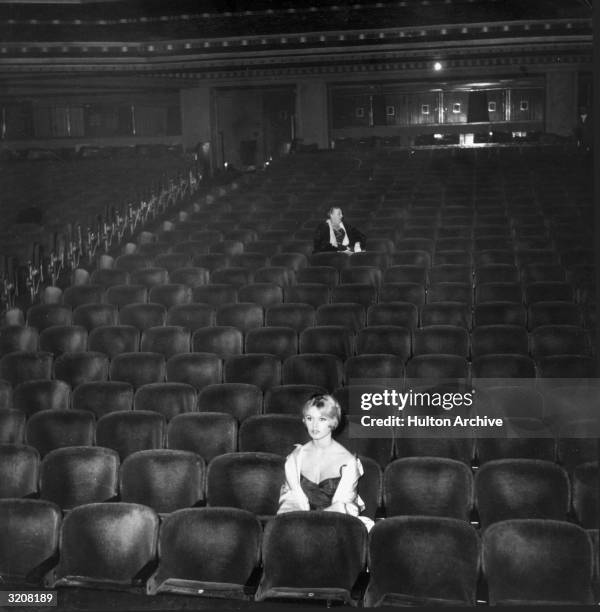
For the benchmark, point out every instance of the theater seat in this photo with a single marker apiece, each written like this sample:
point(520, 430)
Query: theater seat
point(215, 294)
point(553, 313)
point(108, 277)
point(211, 552)
point(349, 314)
point(313, 368)
point(249, 481)
point(503, 365)
point(131, 262)
point(279, 341)
point(19, 470)
point(521, 488)
point(120, 539)
point(379, 365)
point(240, 400)
point(142, 316)
point(403, 314)
point(130, 431)
point(298, 316)
point(330, 339)
point(18, 338)
point(165, 480)
point(29, 533)
point(289, 399)
point(91, 316)
point(435, 367)
point(41, 316)
point(521, 438)
point(168, 340)
point(122, 295)
point(360, 275)
point(207, 434)
point(390, 339)
point(166, 398)
point(102, 397)
point(12, 426)
point(423, 561)
point(21, 366)
point(150, 277)
point(211, 261)
point(278, 275)
point(170, 294)
point(112, 340)
point(50, 429)
point(498, 292)
point(191, 316)
point(260, 369)
point(189, 276)
point(413, 293)
point(315, 294)
point(549, 340)
point(78, 475)
point(428, 486)
point(500, 313)
point(196, 369)
point(488, 339)
point(325, 275)
point(446, 313)
point(272, 433)
point(537, 562)
point(449, 339)
point(312, 555)
point(334, 259)
point(172, 261)
point(36, 395)
point(139, 368)
point(450, 292)
point(235, 276)
point(243, 315)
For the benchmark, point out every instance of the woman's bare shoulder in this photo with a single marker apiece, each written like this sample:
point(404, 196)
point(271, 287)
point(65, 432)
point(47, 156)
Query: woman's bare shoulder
point(341, 452)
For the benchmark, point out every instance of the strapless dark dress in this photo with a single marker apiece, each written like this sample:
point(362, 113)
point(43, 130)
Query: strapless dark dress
point(319, 495)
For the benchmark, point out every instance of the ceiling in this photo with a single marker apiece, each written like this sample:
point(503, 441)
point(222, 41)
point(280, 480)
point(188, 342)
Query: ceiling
point(240, 39)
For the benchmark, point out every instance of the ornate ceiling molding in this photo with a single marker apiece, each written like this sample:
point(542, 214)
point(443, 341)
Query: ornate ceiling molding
point(574, 30)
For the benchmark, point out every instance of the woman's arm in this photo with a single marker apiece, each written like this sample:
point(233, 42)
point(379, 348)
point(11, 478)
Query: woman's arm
point(291, 495)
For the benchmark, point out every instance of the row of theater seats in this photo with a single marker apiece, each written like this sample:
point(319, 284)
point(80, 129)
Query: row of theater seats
point(266, 370)
point(171, 479)
point(224, 552)
point(558, 424)
point(408, 260)
point(226, 339)
point(299, 315)
point(209, 434)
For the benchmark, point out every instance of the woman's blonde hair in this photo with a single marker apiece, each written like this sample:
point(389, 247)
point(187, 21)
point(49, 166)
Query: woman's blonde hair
point(326, 404)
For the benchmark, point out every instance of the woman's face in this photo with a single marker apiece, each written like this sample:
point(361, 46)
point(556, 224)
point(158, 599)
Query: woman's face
point(318, 424)
point(336, 216)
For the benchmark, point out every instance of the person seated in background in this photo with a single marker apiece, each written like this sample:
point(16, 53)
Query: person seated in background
point(322, 474)
point(334, 235)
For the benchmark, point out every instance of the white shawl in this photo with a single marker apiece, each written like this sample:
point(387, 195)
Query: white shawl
point(332, 240)
point(345, 498)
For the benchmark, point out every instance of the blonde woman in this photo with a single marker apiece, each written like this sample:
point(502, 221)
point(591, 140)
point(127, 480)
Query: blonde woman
point(322, 474)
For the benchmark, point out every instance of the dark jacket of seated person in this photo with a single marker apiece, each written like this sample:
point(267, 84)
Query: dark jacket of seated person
point(344, 239)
